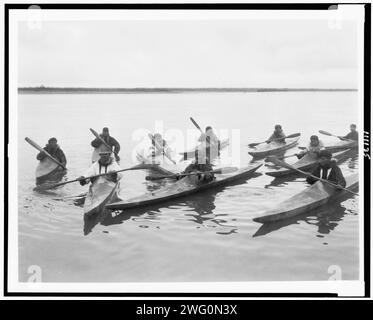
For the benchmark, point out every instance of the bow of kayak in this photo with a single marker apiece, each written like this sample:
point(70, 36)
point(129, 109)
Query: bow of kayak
point(100, 193)
point(183, 187)
point(314, 196)
point(342, 145)
point(273, 147)
point(48, 171)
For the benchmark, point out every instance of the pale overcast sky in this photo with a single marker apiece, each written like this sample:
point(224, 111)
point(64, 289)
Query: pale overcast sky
point(210, 53)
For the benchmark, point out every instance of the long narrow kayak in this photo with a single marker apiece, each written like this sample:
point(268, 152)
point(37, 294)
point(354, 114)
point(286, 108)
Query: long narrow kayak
point(48, 171)
point(190, 154)
point(100, 193)
point(273, 147)
point(183, 187)
point(308, 162)
point(314, 196)
point(341, 145)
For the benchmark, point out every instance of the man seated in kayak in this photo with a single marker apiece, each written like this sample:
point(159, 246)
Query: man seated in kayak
point(327, 169)
point(352, 135)
point(315, 146)
point(112, 142)
point(278, 135)
point(54, 150)
point(211, 140)
point(203, 166)
point(105, 164)
point(159, 146)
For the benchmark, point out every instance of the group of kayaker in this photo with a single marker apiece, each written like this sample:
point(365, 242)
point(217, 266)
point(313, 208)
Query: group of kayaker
point(108, 149)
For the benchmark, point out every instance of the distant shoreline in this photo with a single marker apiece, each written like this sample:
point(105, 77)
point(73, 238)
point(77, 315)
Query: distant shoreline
point(51, 90)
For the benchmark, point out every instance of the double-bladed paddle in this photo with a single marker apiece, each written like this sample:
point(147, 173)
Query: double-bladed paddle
point(36, 146)
point(294, 135)
point(103, 141)
point(158, 146)
point(55, 185)
point(277, 161)
point(333, 135)
point(177, 175)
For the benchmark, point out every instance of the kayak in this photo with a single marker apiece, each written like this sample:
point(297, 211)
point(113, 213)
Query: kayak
point(183, 187)
point(191, 153)
point(308, 162)
point(341, 145)
point(273, 147)
point(314, 196)
point(48, 171)
point(101, 192)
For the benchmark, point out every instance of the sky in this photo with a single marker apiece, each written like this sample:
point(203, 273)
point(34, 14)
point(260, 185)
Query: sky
point(188, 53)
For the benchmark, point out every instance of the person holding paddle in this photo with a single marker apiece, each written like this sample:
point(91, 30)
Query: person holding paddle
point(327, 169)
point(54, 150)
point(277, 135)
point(105, 142)
point(157, 142)
point(352, 135)
point(315, 146)
point(105, 164)
point(211, 141)
point(200, 164)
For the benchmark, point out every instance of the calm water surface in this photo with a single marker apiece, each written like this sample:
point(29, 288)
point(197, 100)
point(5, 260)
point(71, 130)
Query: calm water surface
point(205, 237)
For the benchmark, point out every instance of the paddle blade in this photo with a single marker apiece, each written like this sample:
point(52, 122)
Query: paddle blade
point(294, 135)
point(195, 123)
point(94, 132)
point(226, 170)
point(252, 145)
point(325, 133)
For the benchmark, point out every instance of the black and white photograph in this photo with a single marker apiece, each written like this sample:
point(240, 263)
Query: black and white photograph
point(186, 150)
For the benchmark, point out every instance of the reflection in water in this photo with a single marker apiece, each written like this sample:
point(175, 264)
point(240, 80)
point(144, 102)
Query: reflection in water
point(200, 207)
point(325, 218)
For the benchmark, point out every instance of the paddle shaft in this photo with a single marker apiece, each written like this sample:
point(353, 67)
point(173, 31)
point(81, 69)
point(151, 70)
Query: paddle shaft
point(36, 146)
point(85, 178)
point(286, 165)
point(192, 173)
point(160, 148)
point(294, 135)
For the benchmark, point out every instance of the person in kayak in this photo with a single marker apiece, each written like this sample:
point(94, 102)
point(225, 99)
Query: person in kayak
point(159, 141)
point(278, 134)
point(105, 164)
point(211, 140)
point(111, 141)
point(54, 150)
point(327, 169)
point(315, 146)
point(203, 166)
point(352, 135)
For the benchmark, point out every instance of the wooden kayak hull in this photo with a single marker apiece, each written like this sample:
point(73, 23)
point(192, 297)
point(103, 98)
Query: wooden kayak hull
point(190, 154)
point(342, 145)
point(182, 188)
point(48, 171)
point(100, 193)
point(273, 148)
point(308, 162)
point(314, 196)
